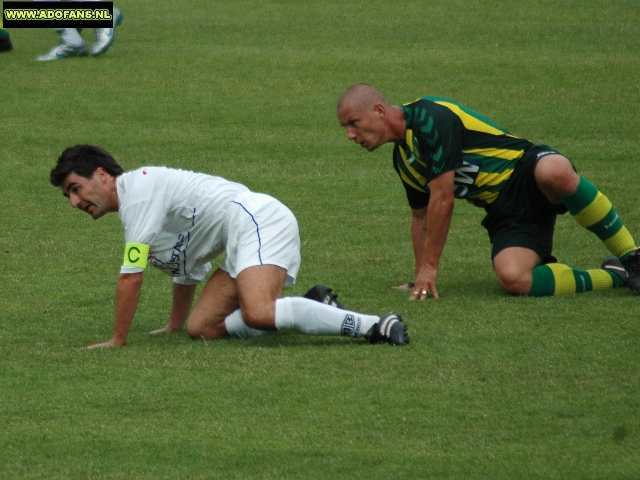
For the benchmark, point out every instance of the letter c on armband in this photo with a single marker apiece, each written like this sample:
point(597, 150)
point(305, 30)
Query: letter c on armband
point(135, 255)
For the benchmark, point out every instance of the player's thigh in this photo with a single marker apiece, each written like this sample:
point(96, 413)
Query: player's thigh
point(514, 269)
point(218, 299)
point(258, 289)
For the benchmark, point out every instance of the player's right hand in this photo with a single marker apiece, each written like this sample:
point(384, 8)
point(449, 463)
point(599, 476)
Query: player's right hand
point(110, 343)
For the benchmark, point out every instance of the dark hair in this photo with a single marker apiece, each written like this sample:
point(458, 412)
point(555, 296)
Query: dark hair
point(83, 160)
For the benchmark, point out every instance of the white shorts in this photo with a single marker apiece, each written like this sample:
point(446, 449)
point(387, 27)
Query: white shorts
point(262, 231)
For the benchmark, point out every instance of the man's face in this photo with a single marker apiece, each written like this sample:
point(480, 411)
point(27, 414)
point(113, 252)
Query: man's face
point(366, 127)
point(89, 194)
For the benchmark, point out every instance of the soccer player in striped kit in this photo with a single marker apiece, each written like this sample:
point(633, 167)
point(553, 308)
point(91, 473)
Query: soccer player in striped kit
point(444, 150)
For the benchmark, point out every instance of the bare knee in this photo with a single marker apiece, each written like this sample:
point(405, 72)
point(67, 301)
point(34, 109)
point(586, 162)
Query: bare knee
point(195, 330)
point(515, 283)
point(212, 333)
point(556, 177)
point(200, 330)
point(261, 317)
point(514, 269)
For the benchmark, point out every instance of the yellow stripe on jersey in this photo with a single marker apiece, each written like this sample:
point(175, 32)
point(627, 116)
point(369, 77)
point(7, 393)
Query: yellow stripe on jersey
point(488, 197)
point(414, 146)
point(492, 179)
point(496, 153)
point(415, 175)
point(135, 255)
point(410, 181)
point(470, 122)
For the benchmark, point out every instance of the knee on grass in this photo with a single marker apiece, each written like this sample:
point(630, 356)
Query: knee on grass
point(515, 283)
point(260, 318)
point(204, 331)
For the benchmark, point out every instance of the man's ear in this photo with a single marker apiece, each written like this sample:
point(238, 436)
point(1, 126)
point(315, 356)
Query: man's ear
point(380, 109)
point(101, 174)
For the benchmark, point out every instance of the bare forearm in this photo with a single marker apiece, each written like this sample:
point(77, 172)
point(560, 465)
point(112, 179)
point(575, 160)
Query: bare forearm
point(127, 296)
point(182, 300)
point(431, 230)
point(437, 229)
point(418, 236)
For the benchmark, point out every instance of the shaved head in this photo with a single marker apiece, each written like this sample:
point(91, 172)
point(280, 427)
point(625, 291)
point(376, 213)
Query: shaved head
point(361, 96)
point(370, 120)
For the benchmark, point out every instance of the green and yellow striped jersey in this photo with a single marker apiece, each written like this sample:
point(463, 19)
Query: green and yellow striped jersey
point(442, 136)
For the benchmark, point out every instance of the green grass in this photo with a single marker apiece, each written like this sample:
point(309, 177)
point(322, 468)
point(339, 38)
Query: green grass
point(490, 387)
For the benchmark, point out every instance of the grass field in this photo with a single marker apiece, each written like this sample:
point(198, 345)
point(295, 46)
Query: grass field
point(491, 386)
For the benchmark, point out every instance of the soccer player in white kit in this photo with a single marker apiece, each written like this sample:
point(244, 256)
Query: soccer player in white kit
point(179, 221)
point(72, 44)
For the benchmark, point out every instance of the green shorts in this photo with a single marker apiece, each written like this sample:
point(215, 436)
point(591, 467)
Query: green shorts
point(522, 216)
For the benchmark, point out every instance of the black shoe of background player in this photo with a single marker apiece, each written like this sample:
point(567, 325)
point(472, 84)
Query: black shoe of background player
point(632, 265)
point(5, 43)
point(323, 294)
point(613, 265)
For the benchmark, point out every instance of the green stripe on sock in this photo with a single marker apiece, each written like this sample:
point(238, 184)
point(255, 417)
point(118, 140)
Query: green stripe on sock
point(617, 281)
point(583, 280)
point(543, 283)
point(608, 226)
point(581, 198)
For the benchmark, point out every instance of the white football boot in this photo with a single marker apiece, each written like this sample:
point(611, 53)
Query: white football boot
point(64, 50)
point(103, 38)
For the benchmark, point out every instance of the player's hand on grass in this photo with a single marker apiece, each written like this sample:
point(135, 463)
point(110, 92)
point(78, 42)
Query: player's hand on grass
point(168, 329)
point(405, 286)
point(160, 330)
point(425, 284)
point(110, 343)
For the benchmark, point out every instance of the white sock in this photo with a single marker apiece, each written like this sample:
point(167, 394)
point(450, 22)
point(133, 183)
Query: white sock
point(238, 329)
point(70, 36)
point(314, 318)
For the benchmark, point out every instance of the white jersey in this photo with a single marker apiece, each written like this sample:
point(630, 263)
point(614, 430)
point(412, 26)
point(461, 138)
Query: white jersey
point(182, 216)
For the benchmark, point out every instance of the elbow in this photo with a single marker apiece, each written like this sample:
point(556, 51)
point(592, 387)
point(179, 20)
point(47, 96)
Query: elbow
point(131, 279)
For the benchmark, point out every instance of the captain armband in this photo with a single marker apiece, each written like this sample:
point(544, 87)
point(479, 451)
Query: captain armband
point(135, 255)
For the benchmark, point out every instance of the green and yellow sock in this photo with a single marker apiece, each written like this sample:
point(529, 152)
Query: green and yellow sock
point(594, 211)
point(559, 279)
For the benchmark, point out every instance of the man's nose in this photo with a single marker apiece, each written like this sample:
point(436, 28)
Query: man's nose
point(75, 200)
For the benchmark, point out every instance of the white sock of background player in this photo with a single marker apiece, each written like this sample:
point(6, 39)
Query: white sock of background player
point(70, 36)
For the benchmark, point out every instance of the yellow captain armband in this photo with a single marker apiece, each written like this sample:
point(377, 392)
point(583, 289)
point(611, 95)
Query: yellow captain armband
point(135, 255)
